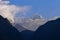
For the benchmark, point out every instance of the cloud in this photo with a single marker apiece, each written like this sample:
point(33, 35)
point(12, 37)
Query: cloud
point(29, 23)
point(9, 11)
point(54, 18)
point(4, 2)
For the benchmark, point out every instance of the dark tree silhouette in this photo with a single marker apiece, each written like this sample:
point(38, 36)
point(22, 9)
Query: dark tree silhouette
point(7, 31)
point(48, 31)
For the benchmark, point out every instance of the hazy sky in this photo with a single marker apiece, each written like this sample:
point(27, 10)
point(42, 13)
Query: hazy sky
point(46, 8)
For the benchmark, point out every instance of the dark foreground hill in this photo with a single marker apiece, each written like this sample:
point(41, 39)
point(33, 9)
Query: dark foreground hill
point(7, 31)
point(25, 33)
point(48, 31)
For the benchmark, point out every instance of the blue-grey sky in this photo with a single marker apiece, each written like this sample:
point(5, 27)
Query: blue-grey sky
point(46, 8)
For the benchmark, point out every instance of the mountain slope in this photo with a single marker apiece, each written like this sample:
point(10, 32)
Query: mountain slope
point(48, 31)
point(7, 31)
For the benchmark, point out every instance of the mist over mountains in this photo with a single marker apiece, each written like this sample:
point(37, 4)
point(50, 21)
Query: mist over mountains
point(30, 23)
point(9, 11)
point(24, 28)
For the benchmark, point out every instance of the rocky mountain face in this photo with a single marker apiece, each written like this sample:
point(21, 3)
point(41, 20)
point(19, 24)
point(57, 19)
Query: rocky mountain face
point(7, 31)
point(48, 31)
